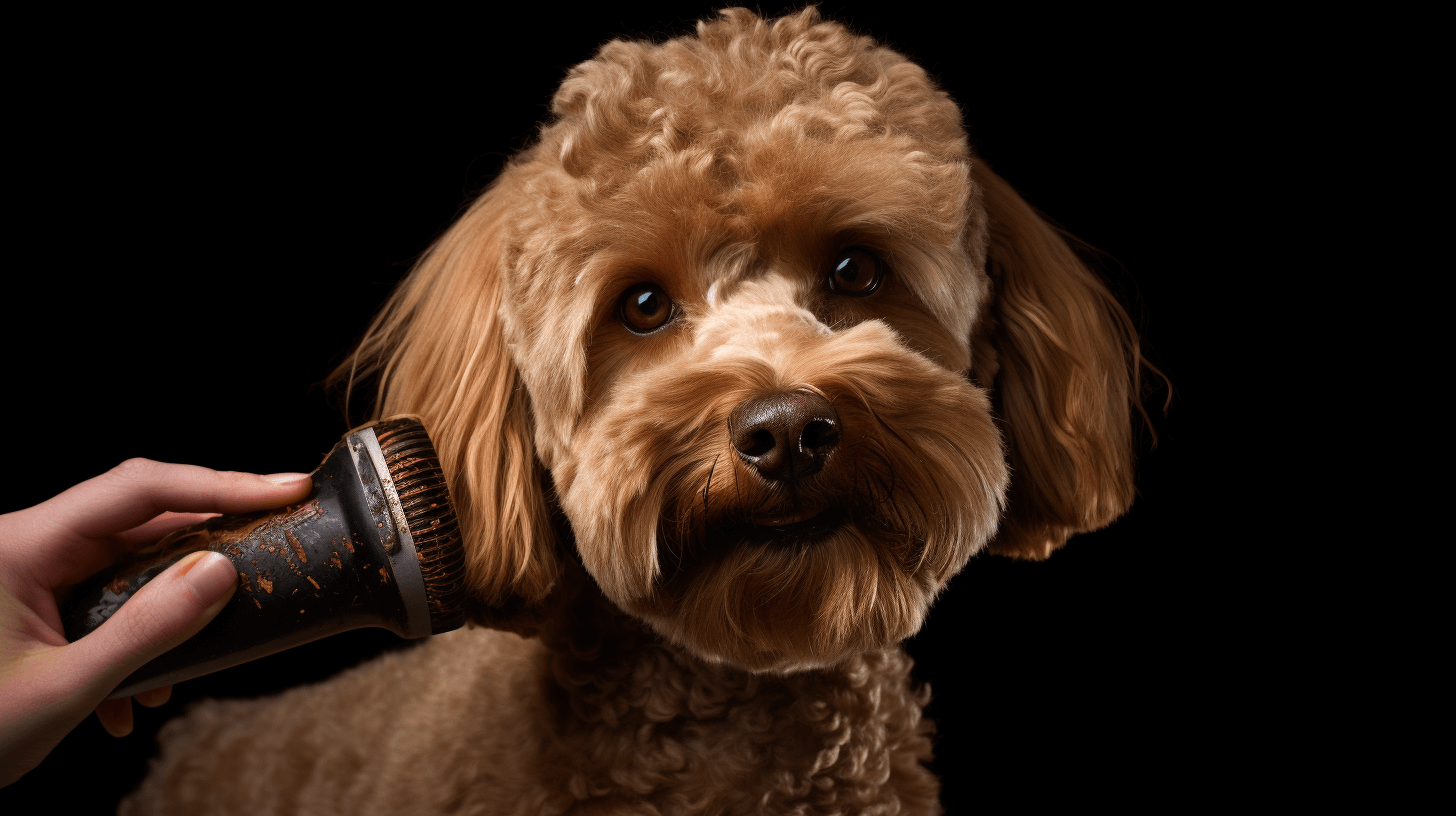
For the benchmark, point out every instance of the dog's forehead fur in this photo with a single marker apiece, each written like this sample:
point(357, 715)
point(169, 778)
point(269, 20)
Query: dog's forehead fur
point(751, 149)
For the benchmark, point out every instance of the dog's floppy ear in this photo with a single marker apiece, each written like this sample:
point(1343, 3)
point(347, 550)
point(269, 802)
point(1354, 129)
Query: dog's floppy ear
point(1064, 387)
point(439, 351)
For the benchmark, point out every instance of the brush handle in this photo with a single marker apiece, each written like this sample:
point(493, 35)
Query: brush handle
point(336, 562)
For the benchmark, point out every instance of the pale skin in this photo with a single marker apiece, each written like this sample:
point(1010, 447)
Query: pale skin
point(49, 686)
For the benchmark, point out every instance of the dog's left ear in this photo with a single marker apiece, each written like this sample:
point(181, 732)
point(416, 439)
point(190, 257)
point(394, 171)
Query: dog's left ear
point(438, 350)
point(1061, 359)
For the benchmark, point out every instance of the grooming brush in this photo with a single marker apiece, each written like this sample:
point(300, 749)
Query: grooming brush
point(375, 544)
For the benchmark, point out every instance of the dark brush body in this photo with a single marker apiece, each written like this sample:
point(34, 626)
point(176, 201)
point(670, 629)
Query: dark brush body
point(375, 544)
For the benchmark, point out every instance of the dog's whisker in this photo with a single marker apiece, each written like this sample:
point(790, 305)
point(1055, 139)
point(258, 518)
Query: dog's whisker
point(708, 486)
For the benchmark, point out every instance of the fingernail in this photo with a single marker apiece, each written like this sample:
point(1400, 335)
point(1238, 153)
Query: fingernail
point(284, 478)
point(210, 573)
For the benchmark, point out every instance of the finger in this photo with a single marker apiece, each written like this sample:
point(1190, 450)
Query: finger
point(106, 551)
point(168, 610)
point(158, 527)
point(115, 716)
point(50, 690)
point(138, 490)
point(155, 697)
point(56, 542)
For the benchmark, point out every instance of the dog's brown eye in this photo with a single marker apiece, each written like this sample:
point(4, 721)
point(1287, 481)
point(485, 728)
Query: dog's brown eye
point(645, 308)
point(856, 272)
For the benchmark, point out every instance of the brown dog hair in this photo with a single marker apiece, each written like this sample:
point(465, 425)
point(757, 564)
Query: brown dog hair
point(1059, 352)
point(1062, 359)
point(1055, 348)
point(438, 350)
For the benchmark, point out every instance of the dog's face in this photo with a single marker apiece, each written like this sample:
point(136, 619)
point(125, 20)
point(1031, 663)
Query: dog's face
point(736, 303)
point(743, 306)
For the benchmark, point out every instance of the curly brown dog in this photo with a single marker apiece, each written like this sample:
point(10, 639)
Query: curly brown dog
point(731, 372)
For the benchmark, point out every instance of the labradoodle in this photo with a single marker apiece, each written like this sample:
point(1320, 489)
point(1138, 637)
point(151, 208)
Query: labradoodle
point(731, 371)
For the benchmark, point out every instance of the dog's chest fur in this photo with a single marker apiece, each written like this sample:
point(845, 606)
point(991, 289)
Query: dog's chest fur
point(596, 715)
point(637, 716)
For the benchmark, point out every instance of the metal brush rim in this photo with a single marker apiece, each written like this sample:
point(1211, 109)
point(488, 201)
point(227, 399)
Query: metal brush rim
point(404, 561)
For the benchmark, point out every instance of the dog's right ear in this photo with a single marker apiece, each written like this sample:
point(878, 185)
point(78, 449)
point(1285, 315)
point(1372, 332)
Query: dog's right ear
point(439, 351)
point(1063, 361)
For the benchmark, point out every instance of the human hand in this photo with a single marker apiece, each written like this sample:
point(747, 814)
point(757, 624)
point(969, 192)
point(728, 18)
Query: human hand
point(47, 685)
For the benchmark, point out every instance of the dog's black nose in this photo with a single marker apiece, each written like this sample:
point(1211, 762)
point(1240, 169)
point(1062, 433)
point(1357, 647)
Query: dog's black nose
point(784, 436)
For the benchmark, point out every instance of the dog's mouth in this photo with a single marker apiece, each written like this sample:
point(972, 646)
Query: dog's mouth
point(784, 527)
point(797, 526)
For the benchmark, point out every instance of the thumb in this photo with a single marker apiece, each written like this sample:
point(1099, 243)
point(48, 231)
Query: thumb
point(171, 608)
point(61, 686)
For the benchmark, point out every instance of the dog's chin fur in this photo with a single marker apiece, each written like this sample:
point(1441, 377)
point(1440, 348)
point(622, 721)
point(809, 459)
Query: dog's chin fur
point(982, 390)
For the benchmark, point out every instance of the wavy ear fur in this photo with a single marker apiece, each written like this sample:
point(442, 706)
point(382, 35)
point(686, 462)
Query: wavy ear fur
point(1062, 358)
point(439, 351)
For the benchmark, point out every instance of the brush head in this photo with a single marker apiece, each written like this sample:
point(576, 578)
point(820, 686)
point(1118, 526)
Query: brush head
point(424, 499)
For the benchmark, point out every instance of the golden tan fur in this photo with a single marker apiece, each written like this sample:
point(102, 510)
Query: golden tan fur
point(670, 666)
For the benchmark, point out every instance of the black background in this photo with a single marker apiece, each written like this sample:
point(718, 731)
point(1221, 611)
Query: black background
point(203, 224)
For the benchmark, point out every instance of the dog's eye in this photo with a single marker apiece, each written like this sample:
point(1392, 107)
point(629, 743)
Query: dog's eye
point(645, 308)
point(856, 272)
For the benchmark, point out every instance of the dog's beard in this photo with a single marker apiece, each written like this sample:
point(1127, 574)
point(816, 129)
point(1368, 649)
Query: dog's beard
point(797, 576)
point(785, 577)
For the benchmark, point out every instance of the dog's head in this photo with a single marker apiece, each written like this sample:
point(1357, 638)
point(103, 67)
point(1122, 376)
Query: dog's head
point(752, 315)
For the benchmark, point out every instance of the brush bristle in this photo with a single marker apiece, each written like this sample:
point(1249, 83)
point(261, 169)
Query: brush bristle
point(420, 483)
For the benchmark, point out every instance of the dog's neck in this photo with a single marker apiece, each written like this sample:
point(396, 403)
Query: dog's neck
point(588, 635)
point(620, 693)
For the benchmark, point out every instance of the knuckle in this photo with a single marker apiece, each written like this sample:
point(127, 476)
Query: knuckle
point(159, 619)
point(136, 469)
point(146, 629)
point(229, 484)
point(234, 477)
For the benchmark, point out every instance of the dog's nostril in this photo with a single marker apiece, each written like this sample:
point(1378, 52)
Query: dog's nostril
point(821, 435)
point(784, 436)
point(759, 443)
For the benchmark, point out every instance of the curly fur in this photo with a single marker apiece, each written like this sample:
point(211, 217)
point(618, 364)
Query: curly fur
point(657, 660)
